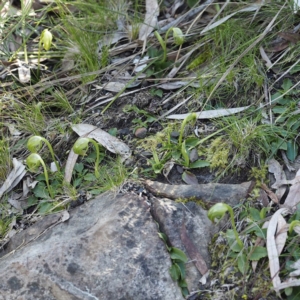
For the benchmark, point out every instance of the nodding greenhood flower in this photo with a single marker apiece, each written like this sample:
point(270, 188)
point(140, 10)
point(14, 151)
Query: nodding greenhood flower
point(46, 39)
point(81, 146)
point(178, 39)
point(33, 162)
point(178, 36)
point(192, 117)
point(35, 144)
point(293, 224)
point(218, 211)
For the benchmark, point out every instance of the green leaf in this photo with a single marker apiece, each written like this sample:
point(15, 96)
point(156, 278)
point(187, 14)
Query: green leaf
point(89, 177)
point(159, 93)
point(185, 155)
point(77, 182)
point(40, 177)
point(96, 191)
point(182, 269)
point(32, 200)
point(234, 246)
point(192, 3)
point(191, 142)
point(295, 69)
point(78, 167)
point(176, 154)
point(199, 164)
point(176, 253)
point(288, 291)
point(276, 96)
point(163, 236)
point(233, 254)
point(113, 131)
point(279, 109)
point(185, 292)
point(292, 150)
point(287, 84)
point(44, 207)
point(40, 191)
point(182, 283)
point(263, 213)
point(175, 272)
point(258, 253)
point(243, 263)
point(261, 232)
point(254, 213)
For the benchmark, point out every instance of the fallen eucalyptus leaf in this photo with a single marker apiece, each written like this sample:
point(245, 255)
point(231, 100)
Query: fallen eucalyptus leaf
point(189, 178)
point(210, 114)
point(14, 177)
point(108, 141)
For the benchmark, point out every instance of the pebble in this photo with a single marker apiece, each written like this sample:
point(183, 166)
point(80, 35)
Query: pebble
point(175, 134)
point(123, 132)
point(141, 133)
point(194, 155)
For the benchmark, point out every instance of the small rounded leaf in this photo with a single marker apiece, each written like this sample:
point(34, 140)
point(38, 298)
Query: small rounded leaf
point(178, 36)
point(33, 162)
point(217, 211)
point(81, 146)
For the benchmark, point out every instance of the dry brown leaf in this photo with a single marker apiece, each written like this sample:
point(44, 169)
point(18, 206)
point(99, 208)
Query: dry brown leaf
point(290, 36)
point(272, 248)
point(272, 195)
point(150, 22)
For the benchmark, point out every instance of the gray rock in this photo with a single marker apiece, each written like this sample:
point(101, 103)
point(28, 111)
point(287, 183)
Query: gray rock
point(108, 249)
point(189, 229)
point(210, 193)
